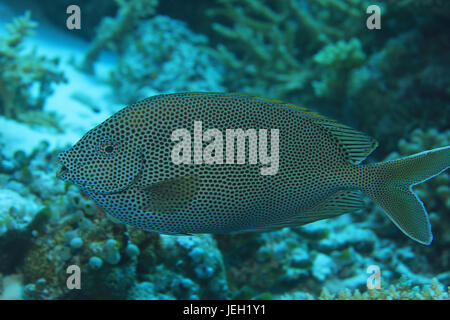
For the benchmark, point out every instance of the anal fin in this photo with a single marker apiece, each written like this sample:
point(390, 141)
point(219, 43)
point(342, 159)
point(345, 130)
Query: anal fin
point(344, 201)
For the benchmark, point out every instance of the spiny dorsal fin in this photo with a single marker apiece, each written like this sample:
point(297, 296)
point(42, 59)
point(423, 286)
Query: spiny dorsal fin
point(355, 144)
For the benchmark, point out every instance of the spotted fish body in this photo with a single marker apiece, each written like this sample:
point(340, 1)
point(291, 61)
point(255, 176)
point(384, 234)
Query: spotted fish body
point(125, 165)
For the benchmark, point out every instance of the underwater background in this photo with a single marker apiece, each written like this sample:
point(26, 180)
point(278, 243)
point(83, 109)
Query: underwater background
point(57, 83)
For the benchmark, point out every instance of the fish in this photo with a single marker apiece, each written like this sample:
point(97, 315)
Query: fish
point(160, 165)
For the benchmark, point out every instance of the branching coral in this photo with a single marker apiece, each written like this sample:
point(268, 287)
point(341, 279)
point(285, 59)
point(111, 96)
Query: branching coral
point(38, 118)
point(337, 59)
point(403, 290)
point(271, 45)
point(112, 30)
point(26, 78)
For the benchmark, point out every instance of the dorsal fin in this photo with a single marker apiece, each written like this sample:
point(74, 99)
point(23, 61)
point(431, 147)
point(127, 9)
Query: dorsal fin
point(355, 144)
point(279, 103)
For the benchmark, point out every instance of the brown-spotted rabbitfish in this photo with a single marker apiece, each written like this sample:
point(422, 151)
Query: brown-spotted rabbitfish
point(167, 164)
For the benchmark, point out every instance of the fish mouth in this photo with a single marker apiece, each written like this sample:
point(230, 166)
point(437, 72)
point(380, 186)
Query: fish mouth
point(63, 173)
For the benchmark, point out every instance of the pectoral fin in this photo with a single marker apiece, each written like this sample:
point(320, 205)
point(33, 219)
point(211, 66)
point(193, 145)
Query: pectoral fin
point(173, 194)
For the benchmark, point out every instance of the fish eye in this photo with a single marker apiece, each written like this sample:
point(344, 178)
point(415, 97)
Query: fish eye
point(108, 147)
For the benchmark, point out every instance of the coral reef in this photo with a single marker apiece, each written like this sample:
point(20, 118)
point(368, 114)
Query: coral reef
point(163, 55)
point(403, 290)
point(299, 263)
point(112, 30)
point(338, 58)
point(304, 258)
point(27, 77)
point(271, 47)
point(154, 54)
point(39, 118)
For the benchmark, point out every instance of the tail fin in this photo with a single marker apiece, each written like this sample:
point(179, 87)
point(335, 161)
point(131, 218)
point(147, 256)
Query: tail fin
point(391, 188)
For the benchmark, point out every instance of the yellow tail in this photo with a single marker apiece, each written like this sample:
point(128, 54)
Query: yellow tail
point(390, 184)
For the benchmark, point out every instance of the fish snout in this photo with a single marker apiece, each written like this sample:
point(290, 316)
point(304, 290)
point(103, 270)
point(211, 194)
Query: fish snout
point(63, 173)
